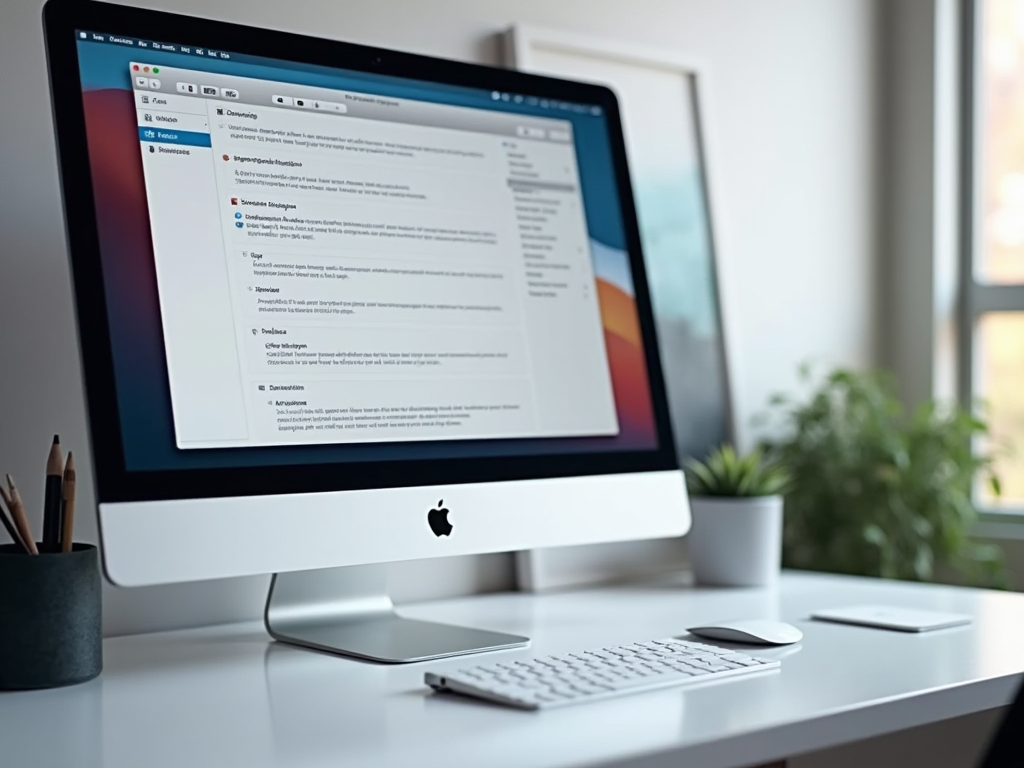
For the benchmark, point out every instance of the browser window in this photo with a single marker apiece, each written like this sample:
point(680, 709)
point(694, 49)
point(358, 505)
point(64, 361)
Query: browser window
point(338, 266)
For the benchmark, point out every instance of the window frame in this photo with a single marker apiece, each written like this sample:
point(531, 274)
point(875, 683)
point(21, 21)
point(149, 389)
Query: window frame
point(977, 298)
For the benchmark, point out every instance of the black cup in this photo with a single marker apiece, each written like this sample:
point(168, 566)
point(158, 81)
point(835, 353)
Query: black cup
point(50, 618)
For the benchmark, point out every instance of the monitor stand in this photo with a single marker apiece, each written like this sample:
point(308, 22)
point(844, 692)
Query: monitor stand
point(348, 611)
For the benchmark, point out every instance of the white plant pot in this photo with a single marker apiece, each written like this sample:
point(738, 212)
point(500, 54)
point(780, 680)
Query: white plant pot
point(736, 542)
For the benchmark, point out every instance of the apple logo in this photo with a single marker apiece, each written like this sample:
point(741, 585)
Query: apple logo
point(437, 519)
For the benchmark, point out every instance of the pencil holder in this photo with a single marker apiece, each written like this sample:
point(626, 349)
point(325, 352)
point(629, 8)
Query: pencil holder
point(50, 618)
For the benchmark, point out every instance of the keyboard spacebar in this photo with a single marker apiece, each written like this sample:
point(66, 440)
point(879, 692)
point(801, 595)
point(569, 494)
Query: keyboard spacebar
point(668, 678)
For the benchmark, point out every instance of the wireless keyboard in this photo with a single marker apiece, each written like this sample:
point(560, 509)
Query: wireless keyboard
point(574, 678)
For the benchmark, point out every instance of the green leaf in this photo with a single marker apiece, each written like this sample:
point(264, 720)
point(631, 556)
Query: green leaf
point(875, 535)
point(995, 485)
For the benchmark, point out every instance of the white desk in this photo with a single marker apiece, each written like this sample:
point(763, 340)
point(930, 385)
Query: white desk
point(225, 696)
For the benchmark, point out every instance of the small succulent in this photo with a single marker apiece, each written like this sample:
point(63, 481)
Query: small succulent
point(726, 473)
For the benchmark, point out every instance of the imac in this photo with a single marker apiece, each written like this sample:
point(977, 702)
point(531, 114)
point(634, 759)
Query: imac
point(339, 306)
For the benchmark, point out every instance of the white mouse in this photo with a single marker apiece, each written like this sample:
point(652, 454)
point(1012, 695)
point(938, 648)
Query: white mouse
point(754, 631)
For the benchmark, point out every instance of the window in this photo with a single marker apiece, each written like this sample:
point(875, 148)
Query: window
point(338, 266)
point(993, 270)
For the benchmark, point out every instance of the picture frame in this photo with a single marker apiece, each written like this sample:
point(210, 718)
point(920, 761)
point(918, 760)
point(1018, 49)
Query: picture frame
point(665, 104)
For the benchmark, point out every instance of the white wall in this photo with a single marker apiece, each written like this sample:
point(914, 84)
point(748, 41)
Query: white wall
point(795, 87)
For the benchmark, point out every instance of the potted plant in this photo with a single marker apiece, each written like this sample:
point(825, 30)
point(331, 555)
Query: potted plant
point(736, 504)
point(876, 492)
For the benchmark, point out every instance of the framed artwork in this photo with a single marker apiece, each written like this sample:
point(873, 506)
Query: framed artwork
point(663, 100)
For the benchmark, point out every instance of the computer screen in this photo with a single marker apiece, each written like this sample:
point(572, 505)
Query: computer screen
point(304, 264)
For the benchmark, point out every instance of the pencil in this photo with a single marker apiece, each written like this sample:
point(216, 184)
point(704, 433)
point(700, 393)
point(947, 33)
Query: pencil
point(17, 507)
point(51, 498)
point(9, 524)
point(67, 533)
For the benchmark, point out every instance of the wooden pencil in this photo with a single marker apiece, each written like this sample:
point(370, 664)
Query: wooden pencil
point(20, 520)
point(12, 531)
point(67, 533)
point(52, 498)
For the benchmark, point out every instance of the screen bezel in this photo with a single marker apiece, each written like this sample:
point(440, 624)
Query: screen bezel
point(114, 482)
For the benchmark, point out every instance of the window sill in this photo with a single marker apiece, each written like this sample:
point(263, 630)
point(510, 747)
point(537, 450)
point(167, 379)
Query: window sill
point(1000, 525)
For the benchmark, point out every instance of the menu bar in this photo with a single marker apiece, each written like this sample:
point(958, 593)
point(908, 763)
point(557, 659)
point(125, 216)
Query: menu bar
point(153, 45)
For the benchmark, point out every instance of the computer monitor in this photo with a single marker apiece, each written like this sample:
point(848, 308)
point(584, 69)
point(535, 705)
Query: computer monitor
point(340, 306)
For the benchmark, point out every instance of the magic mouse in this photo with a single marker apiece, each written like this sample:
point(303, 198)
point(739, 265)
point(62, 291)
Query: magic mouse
point(754, 631)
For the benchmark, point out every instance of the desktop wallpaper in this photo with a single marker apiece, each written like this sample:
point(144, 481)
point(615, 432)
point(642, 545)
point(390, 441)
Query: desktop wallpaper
point(131, 287)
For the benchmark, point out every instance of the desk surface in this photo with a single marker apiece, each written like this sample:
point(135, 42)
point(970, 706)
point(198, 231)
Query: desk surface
point(227, 696)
